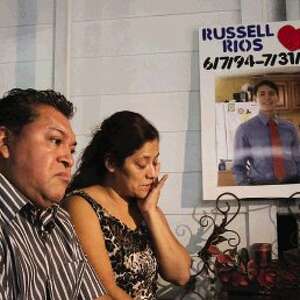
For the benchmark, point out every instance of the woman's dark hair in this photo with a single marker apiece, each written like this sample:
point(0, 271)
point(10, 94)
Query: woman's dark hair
point(118, 137)
point(268, 83)
point(18, 106)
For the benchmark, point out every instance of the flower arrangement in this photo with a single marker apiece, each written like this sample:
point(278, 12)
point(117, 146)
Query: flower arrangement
point(237, 270)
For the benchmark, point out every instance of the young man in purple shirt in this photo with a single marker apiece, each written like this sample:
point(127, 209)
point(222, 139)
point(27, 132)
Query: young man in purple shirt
point(255, 154)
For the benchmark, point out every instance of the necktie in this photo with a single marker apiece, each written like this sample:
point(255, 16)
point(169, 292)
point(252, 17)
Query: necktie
point(277, 151)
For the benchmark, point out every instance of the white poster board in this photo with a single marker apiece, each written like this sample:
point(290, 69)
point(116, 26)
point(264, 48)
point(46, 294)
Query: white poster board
point(239, 55)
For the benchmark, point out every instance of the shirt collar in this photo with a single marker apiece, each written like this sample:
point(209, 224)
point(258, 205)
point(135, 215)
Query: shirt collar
point(265, 119)
point(43, 219)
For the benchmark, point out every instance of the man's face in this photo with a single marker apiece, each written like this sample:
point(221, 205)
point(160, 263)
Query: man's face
point(39, 159)
point(267, 99)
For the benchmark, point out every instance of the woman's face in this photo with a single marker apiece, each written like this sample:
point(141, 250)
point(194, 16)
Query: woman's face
point(139, 171)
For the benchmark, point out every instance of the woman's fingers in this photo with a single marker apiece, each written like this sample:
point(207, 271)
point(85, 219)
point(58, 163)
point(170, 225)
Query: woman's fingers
point(162, 181)
point(157, 169)
point(159, 183)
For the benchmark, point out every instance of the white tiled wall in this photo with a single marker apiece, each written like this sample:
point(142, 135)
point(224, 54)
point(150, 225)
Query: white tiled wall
point(107, 9)
point(150, 73)
point(131, 36)
point(25, 12)
point(25, 43)
point(177, 108)
point(26, 38)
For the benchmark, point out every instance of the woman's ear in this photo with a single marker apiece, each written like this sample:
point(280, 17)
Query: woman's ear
point(4, 150)
point(109, 164)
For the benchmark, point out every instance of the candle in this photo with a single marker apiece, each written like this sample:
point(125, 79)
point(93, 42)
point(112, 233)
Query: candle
point(262, 254)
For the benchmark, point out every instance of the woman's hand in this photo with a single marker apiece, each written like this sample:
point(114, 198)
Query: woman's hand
point(173, 259)
point(149, 204)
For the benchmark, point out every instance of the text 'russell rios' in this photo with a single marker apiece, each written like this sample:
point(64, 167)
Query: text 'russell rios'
point(241, 38)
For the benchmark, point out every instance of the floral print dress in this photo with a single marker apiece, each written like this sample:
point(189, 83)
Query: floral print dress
point(130, 252)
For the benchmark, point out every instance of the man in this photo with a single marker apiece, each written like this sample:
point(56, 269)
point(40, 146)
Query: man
point(40, 257)
point(266, 149)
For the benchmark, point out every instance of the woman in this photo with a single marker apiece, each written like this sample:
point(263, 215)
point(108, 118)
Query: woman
point(114, 207)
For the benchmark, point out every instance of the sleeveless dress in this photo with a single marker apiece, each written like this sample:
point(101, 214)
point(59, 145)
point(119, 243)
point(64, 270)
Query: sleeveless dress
point(130, 252)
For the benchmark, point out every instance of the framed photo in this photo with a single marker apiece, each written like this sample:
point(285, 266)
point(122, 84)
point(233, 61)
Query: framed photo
point(232, 60)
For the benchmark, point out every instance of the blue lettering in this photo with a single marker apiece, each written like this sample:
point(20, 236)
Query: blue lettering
point(230, 32)
point(257, 44)
point(221, 35)
point(262, 32)
point(206, 34)
point(245, 45)
point(251, 31)
point(241, 32)
point(268, 30)
point(227, 46)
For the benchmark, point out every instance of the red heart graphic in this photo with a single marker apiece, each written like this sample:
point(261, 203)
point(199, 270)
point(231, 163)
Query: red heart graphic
point(289, 37)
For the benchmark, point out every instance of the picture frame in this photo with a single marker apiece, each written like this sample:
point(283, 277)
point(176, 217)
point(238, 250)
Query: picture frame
point(232, 58)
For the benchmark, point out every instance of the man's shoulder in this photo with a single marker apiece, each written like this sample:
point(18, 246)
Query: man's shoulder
point(286, 124)
point(64, 216)
point(64, 219)
point(3, 225)
point(11, 200)
point(249, 124)
point(62, 213)
point(68, 232)
point(6, 215)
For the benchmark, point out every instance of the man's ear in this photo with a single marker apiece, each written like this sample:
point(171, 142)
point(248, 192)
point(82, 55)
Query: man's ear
point(109, 164)
point(4, 151)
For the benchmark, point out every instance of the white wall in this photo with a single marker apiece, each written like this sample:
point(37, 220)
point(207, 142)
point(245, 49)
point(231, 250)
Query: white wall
point(292, 9)
point(26, 34)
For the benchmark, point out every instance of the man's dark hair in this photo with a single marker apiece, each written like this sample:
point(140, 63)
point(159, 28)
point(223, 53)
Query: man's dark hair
point(268, 83)
point(18, 106)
